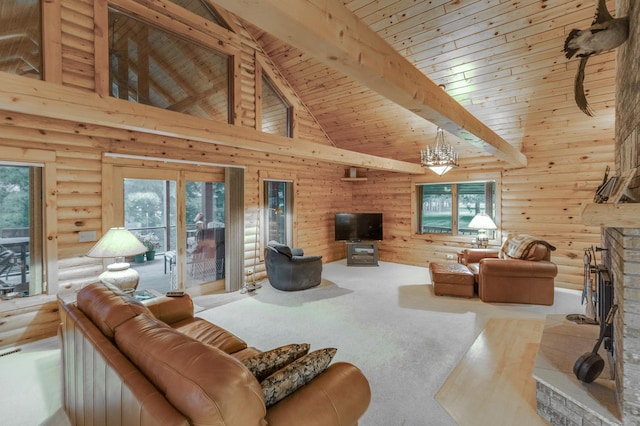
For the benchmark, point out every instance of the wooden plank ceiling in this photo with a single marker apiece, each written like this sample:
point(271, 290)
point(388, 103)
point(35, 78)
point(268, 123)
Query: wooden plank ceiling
point(501, 60)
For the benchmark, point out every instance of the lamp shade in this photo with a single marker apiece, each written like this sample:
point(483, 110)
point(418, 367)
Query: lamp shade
point(117, 242)
point(440, 170)
point(482, 221)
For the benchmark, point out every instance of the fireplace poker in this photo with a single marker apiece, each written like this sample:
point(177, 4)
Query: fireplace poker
point(589, 366)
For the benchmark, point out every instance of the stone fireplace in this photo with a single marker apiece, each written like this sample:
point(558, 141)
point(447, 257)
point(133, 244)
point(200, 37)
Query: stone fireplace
point(624, 242)
point(623, 260)
point(621, 237)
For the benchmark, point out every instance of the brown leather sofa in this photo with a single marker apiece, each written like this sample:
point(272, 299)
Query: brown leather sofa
point(527, 280)
point(129, 363)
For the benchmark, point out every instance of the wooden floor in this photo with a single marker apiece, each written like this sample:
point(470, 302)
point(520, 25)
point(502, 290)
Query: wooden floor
point(493, 380)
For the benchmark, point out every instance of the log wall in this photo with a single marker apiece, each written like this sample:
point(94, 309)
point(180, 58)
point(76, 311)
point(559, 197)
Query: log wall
point(27, 320)
point(543, 199)
point(79, 150)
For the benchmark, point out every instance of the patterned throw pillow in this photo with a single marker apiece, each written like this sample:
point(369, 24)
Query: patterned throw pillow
point(266, 363)
point(284, 382)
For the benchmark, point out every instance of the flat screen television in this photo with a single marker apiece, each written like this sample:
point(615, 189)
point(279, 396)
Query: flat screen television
point(358, 226)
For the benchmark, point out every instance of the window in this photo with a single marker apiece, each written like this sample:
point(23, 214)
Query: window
point(205, 202)
point(188, 252)
point(276, 112)
point(21, 229)
point(153, 67)
point(20, 36)
point(150, 213)
point(278, 211)
point(448, 208)
point(149, 208)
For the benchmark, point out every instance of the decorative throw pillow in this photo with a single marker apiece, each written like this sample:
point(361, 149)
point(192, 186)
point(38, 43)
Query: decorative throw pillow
point(284, 382)
point(265, 364)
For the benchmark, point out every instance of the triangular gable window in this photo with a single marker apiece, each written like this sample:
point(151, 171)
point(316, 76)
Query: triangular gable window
point(276, 112)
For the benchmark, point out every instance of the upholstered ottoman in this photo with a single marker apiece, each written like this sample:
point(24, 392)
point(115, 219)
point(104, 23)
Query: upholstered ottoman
point(452, 279)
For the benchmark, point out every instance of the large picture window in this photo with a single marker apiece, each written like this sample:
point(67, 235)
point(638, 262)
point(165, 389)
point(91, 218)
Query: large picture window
point(150, 66)
point(20, 38)
point(448, 208)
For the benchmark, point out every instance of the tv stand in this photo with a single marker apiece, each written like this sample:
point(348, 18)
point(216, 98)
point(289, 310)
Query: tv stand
point(362, 253)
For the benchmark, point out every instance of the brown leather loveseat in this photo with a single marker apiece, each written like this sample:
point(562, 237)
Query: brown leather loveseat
point(520, 272)
point(129, 363)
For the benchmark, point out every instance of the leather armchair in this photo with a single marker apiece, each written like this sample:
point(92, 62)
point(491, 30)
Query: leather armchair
point(471, 259)
point(528, 280)
point(288, 269)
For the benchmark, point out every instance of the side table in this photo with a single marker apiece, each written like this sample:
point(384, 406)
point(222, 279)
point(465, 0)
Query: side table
point(69, 296)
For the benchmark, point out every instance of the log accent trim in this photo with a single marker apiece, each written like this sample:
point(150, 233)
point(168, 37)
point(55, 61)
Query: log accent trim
point(340, 40)
point(46, 100)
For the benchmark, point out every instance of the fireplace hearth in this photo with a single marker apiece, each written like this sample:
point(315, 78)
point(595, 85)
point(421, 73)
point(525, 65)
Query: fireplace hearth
point(561, 398)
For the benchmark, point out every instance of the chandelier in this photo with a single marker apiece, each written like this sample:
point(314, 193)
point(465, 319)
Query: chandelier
point(441, 158)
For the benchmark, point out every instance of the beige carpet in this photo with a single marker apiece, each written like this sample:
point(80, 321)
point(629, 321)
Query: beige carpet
point(31, 385)
point(383, 319)
point(387, 321)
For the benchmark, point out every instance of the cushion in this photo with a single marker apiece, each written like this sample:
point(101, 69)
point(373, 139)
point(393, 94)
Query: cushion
point(207, 385)
point(210, 334)
point(281, 248)
point(266, 363)
point(287, 380)
point(107, 306)
point(171, 309)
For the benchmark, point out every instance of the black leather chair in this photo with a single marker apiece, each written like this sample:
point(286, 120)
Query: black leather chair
point(288, 269)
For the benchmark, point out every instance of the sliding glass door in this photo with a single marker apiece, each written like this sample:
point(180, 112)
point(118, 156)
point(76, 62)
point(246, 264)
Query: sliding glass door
point(150, 213)
point(180, 217)
point(205, 203)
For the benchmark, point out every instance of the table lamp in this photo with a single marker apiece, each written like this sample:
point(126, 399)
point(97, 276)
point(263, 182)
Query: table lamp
point(482, 222)
point(118, 243)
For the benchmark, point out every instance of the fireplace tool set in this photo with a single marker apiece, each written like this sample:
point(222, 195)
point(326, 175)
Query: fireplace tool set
point(599, 310)
point(589, 366)
point(587, 291)
point(595, 308)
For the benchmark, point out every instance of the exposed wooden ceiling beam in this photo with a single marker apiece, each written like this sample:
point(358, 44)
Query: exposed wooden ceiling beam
point(335, 36)
point(42, 99)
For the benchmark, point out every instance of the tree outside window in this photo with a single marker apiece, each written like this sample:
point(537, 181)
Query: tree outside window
point(21, 215)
